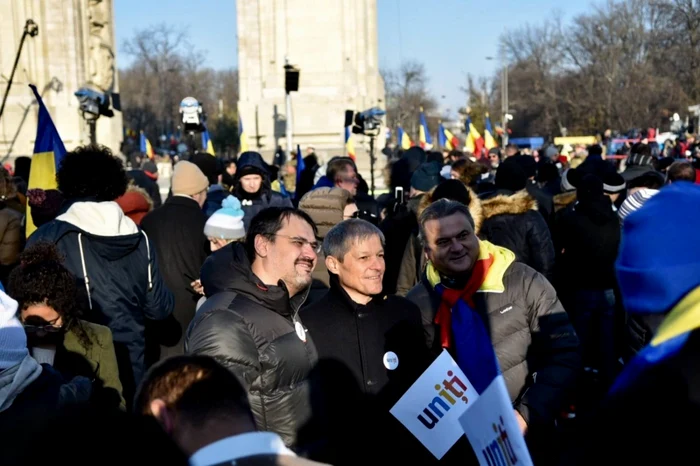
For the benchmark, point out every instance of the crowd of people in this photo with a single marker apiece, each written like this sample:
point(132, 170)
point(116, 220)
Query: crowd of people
point(236, 323)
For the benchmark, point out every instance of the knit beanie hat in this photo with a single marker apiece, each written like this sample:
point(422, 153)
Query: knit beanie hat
point(655, 275)
point(635, 202)
point(453, 190)
point(209, 165)
point(227, 222)
point(188, 179)
point(150, 169)
point(526, 162)
point(569, 179)
point(510, 176)
point(44, 205)
point(613, 182)
point(426, 177)
point(415, 157)
point(13, 340)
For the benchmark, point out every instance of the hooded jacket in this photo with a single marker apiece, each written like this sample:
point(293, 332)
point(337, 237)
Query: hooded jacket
point(265, 197)
point(535, 344)
point(118, 268)
point(512, 220)
point(255, 331)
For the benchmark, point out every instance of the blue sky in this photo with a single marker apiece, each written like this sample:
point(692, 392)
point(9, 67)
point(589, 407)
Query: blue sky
point(451, 37)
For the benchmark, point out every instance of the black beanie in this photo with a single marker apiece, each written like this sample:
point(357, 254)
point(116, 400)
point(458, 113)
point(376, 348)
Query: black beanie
point(209, 166)
point(589, 188)
point(453, 190)
point(526, 162)
point(426, 177)
point(415, 156)
point(510, 176)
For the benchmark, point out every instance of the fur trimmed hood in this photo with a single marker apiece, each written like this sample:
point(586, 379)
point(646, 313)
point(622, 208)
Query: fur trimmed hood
point(515, 204)
point(563, 200)
point(474, 207)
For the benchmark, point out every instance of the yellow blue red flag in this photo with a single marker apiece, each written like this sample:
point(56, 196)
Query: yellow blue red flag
point(207, 145)
point(48, 155)
point(145, 146)
point(349, 145)
point(425, 140)
point(242, 136)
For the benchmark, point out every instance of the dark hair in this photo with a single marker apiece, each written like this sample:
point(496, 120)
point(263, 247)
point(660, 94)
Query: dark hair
point(512, 146)
point(469, 172)
point(595, 149)
point(441, 209)
point(337, 165)
point(456, 153)
point(197, 388)
point(651, 179)
point(210, 166)
point(681, 171)
point(268, 222)
point(91, 172)
point(41, 277)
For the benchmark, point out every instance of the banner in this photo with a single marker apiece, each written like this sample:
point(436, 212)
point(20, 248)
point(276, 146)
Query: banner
point(431, 408)
point(493, 430)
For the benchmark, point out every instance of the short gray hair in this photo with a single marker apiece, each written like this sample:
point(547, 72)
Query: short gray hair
point(440, 209)
point(339, 238)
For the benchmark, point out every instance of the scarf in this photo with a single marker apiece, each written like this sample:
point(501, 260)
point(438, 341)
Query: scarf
point(16, 379)
point(462, 329)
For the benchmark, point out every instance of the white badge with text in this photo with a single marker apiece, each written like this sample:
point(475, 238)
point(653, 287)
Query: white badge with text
point(493, 430)
point(431, 408)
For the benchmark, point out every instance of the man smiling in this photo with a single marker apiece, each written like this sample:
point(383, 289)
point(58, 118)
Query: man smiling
point(250, 322)
point(374, 341)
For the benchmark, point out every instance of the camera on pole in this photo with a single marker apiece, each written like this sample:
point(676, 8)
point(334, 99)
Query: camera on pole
point(192, 114)
point(367, 123)
point(93, 103)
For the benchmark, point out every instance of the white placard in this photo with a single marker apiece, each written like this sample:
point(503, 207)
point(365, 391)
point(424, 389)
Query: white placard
point(431, 408)
point(493, 430)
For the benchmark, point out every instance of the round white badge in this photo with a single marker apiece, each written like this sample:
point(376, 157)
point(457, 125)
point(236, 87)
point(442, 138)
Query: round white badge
point(301, 333)
point(391, 360)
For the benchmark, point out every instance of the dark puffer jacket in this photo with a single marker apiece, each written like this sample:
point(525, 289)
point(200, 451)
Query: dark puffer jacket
point(249, 327)
point(535, 344)
point(265, 197)
point(511, 220)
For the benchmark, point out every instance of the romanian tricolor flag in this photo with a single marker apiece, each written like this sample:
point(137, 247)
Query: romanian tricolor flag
point(474, 142)
point(489, 141)
point(424, 139)
point(242, 136)
point(349, 145)
point(446, 139)
point(48, 155)
point(146, 147)
point(207, 145)
point(404, 141)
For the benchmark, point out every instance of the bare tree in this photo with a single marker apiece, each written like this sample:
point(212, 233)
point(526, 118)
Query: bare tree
point(406, 92)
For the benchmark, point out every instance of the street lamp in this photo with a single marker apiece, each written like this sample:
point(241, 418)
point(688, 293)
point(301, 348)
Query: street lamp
point(505, 116)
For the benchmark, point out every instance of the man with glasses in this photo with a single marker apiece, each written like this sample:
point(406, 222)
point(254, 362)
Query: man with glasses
point(250, 322)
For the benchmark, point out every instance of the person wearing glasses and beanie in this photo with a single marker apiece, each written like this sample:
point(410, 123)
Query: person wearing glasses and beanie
point(250, 321)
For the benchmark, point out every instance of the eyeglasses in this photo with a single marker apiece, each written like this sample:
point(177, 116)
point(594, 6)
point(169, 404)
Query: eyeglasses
point(355, 214)
point(50, 327)
point(301, 242)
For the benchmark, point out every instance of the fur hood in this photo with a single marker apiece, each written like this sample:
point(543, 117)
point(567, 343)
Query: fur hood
point(515, 204)
point(563, 200)
point(474, 207)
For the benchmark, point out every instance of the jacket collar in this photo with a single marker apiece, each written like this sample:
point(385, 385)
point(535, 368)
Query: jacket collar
point(230, 449)
point(493, 282)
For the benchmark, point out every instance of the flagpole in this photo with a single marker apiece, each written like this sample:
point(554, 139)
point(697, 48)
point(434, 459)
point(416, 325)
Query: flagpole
point(30, 29)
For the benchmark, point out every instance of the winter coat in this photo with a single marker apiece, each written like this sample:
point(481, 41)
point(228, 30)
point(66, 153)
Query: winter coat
point(215, 196)
point(413, 262)
point(511, 220)
point(398, 227)
point(358, 382)
point(545, 201)
point(177, 230)
point(255, 331)
point(119, 269)
point(142, 180)
point(98, 361)
point(536, 346)
point(265, 197)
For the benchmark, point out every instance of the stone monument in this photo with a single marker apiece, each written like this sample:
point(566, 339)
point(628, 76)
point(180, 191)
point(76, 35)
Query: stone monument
point(75, 47)
point(334, 44)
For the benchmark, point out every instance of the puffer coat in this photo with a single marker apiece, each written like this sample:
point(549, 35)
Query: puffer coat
point(536, 346)
point(254, 330)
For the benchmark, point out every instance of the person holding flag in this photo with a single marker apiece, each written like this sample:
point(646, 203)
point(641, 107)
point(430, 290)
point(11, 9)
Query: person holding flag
point(497, 317)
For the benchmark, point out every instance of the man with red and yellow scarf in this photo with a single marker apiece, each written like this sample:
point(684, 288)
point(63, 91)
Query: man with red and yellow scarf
point(495, 314)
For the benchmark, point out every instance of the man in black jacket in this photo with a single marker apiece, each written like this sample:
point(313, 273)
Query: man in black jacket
point(177, 229)
point(534, 342)
point(375, 340)
point(250, 322)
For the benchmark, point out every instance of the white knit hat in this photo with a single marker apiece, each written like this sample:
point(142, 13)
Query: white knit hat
point(13, 340)
point(227, 222)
